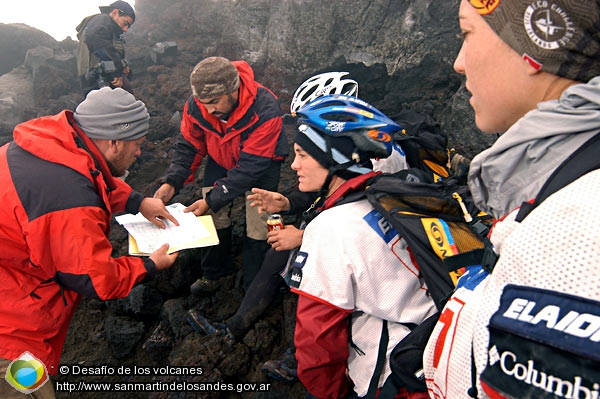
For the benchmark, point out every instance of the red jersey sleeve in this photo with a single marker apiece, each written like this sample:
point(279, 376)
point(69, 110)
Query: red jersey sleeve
point(321, 340)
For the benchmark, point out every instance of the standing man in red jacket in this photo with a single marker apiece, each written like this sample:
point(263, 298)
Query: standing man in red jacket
point(235, 123)
point(60, 188)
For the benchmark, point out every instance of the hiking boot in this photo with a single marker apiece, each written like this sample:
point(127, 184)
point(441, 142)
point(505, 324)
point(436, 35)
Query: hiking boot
point(201, 324)
point(206, 286)
point(283, 369)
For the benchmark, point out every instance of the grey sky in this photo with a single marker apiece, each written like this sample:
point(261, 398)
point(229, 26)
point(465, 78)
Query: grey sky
point(58, 18)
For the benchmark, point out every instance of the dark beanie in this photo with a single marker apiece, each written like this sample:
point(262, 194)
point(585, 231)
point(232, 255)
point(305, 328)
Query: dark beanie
point(213, 77)
point(120, 5)
point(112, 114)
point(343, 151)
point(561, 37)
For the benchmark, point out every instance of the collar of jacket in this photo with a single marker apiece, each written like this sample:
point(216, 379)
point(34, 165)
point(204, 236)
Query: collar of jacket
point(517, 165)
point(353, 185)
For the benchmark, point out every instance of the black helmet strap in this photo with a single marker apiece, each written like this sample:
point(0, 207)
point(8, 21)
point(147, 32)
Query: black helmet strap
point(332, 169)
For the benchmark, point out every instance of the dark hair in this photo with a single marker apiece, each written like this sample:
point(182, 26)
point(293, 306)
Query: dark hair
point(123, 7)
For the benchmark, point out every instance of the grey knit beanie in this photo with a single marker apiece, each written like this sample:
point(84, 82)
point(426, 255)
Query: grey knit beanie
point(561, 37)
point(112, 114)
point(213, 77)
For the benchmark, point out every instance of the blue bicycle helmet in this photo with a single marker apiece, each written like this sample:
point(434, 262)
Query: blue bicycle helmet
point(346, 116)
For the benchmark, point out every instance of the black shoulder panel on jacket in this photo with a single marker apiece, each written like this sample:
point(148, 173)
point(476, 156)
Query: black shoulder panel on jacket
point(44, 187)
point(265, 106)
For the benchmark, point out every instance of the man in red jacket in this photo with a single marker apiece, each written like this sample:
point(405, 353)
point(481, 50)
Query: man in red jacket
point(59, 191)
point(235, 123)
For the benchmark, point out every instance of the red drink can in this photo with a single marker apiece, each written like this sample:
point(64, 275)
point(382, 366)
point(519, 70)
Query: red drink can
point(275, 222)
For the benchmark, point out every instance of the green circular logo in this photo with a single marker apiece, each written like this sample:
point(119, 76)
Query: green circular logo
point(26, 374)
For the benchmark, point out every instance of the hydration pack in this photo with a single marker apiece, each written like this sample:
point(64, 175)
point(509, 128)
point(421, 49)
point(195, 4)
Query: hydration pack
point(424, 143)
point(439, 222)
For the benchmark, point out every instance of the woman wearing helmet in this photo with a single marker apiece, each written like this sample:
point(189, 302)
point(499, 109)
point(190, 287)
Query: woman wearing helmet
point(354, 276)
point(350, 120)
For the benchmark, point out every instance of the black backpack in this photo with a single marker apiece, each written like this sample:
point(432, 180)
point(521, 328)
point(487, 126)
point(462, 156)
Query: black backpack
point(424, 143)
point(445, 233)
point(438, 221)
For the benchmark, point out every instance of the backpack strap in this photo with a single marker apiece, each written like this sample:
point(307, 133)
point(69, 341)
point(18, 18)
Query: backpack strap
point(582, 161)
point(381, 357)
point(472, 391)
point(486, 257)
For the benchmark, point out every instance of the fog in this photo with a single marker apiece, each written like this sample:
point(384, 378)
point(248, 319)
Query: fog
point(58, 18)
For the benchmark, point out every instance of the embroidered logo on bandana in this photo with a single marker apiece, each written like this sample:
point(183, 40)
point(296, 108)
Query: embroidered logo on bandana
point(485, 7)
point(548, 25)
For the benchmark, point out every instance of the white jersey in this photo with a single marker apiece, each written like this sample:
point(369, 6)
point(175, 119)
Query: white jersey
point(541, 307)
point(355, 261)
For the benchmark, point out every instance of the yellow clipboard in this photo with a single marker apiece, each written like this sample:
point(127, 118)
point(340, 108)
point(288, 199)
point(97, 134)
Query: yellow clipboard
point(207, 241)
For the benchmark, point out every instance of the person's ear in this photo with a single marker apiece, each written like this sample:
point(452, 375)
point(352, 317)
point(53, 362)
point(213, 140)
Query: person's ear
point(114, 13)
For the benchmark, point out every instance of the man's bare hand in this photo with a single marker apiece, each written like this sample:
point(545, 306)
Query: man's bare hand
point(162, 259)
point(165, 192)
point(283, 240)
point(268, 201)
point(199, 208)
point(117, 82)
point(155, 211)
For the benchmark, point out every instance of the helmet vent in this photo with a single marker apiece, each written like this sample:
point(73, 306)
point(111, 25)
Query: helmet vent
point(339, 117)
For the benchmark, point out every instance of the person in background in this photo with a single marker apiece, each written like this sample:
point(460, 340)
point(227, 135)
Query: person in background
point(355, 279)
point(236, 124)
point(101, 48)
point(60, 190)
point(528, 329)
